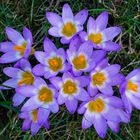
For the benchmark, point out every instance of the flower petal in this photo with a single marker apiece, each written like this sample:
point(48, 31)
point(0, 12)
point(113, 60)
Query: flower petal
point(56, 81)
point(85, 123)
point(54, 107)
point(91, 25)
point(14, 36)
point(81, 108)
point(18, 99)
point(39, 70)
point(83, 80)
point(26, 124)
point(35, 128)
point(106, 89)
point(11, 83)
point(65, 40)
point(6, 46)
point(71, 105)
point(61, 100)
point(54, 31)
point(40, 56)
point(81, 17)
point(113, 126)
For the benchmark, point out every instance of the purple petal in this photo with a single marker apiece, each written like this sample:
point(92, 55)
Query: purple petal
point(110, 46)
point(23, 115)
point(61, 100)
point(86, 48)
point(114, 101)
point(92, 90)
point(102, 65)
point(18, 99)
point(91, 25)
point(39, 82)
point(81, 108)
point(49, 46)
point(9, 57)
point(64, 40)
point(81, 17)
point(40, 56)
point(133, 73)
point(25, 65)
point(71, 105)
point(46, 125)
point(6, 46)
point(85, 123)
point(48, 74)
point(112, 70)
point(54, 31)
point(54, 19)
point(102, 21)
point(83, 96)
point(34, 128)
point(106, 89)
point(110, 33)
point(43, 115)
point(11, 83)
point(135, 101)
point(67, 13)
point(100, 125)
point(14, 36)
point(54, 107)
point(27, 91)
point(56, 81)
point(66, 76)
point(39, 70)
point(26, 125)
point(83, 80)
point(28, 36)
point(113, 126)
point(83, 35)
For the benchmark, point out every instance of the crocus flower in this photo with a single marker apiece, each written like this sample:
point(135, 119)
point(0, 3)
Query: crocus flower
point(70, 90)
point(20, 76)
point(68, 25)
point(100, 35)
point(103, 77)
point(83, 58)
point(130, 90)
point(52, 61)
point(103, 112)
point(32, 120)
point(19, 47)
point(41, 95)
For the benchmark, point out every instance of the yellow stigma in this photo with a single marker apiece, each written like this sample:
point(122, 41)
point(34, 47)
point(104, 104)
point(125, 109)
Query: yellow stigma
point(95, 38)
point(96, 106)
point(45, 95)
point(79, 62)
point(69, 29)
point(21, 49)
point(69, 87)
point(98, 79)
point(27, 79)
point(34, 115)
point(131, 86)
point(55, 63)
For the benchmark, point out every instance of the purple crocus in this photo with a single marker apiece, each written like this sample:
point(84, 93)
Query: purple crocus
point(130, 90)
point(70, 90)
point(19, 47)
point(41, 95)
point(34, 120)
point(52, 61)
point(103, 112)
point(103, 77)
point(100, 35)
point(20, 76)
point(68, 25)
point(82, 57)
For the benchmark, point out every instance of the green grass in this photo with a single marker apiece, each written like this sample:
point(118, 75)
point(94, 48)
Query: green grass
point(31, 13)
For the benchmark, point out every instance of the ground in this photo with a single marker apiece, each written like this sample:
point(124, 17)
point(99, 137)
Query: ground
point(31, 13)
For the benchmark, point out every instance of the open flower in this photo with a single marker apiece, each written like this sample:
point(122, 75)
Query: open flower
point(34, 120)
point(103, 77)
point(83, 58)
point(20, 76)
point(70, 90)
point(130, 90)
point(19, 47)
point(68, 25)
point(103, 111)
point(52, 60)
point(101, 36)
point(41, 95)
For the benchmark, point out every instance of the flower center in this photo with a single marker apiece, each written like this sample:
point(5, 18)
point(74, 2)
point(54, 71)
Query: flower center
point(131, 86)
point(69, 29)
point(95, 38)
point(21, 49)
point(34, 115)
point(55, 63)
point(98, 79)
point(69, 87)
point(79, 62)
point(96, 106)
point(45, 95)
point(27, 79)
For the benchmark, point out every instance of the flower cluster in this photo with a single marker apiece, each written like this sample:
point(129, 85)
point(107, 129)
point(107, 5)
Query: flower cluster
point(80, 77)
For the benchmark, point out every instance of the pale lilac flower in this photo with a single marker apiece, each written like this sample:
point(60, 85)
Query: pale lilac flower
point(68, 25)
point(71, 89)
point(101, 36)
point(130, 90)
point(19, 47)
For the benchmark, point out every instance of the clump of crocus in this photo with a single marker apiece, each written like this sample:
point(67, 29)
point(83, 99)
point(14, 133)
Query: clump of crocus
point(76, 74)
